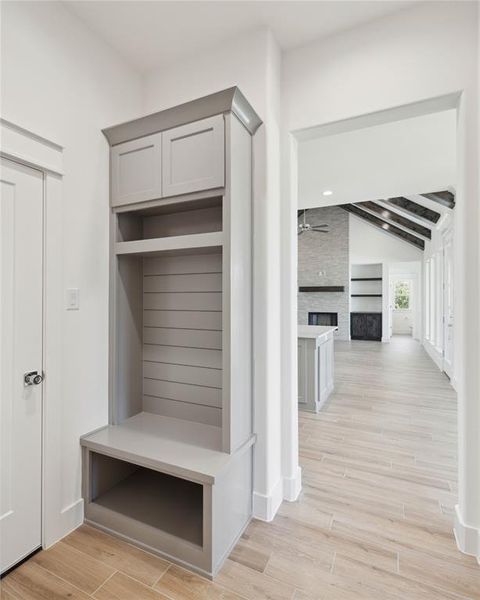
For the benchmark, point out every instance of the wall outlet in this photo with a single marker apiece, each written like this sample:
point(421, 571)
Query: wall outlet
point(72, 299)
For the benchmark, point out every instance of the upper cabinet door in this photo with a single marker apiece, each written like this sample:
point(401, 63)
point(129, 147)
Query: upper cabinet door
point(137, 170)
point(194, 157)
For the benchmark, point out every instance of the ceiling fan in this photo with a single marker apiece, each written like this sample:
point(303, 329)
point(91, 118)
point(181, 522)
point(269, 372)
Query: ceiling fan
point(304, 227)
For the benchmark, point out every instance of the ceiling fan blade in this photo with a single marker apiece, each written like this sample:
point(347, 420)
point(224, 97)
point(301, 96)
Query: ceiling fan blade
point(320, 231)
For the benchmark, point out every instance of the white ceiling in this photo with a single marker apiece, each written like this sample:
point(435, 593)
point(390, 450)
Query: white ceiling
point(149, 34)
point(402, 158)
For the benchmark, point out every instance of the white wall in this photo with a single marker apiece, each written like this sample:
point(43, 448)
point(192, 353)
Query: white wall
point(253, 63)
point(368, 245)
point(388, 63)
point(60, 81)
point(402, 321)
point(405, 157)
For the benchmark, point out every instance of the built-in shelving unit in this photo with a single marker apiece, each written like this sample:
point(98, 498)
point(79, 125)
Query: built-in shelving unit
point(366, 304)
point(172, 471)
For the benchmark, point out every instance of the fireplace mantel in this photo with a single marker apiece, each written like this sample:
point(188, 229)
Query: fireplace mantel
point(321, 288)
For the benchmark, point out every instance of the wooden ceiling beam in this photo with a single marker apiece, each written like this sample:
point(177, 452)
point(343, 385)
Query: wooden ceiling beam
point(392, 217)
point(414, 208)
point(444, 198)
point(384, 226)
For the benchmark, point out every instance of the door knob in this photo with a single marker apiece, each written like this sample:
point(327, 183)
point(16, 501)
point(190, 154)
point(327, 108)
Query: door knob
point(32, 378)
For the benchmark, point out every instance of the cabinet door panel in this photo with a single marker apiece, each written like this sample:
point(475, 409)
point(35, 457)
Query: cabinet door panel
point(358, 326)
point(194, 157)
point(137, 170)
point(374, 327)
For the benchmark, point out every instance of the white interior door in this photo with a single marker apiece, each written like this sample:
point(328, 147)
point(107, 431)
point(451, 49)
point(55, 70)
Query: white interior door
point(448, 304)
point(21, 280)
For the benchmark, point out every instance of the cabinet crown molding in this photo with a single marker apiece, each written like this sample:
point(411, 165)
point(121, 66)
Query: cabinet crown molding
point(229, 100)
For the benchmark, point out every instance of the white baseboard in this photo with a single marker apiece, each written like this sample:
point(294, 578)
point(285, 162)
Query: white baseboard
point(64, 522)
point(433, 354)
point(292, 486)
point(467, 537)
point(265, 506)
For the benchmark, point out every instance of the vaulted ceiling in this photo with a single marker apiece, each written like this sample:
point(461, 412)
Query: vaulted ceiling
point(409, 220)
point(153, 34)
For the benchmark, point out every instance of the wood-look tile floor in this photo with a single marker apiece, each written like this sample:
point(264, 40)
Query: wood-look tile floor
point(374, 520)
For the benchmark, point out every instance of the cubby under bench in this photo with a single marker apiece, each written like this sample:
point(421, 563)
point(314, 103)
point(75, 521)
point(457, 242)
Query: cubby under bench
point(165, 485)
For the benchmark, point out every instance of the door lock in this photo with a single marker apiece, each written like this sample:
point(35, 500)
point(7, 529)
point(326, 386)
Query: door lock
point(32, 378)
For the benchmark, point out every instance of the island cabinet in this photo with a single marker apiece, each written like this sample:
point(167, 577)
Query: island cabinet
point(172, 470)
point(315, 366)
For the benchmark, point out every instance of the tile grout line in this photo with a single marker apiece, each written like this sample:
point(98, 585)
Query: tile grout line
point(102, 584)
point(164, 573)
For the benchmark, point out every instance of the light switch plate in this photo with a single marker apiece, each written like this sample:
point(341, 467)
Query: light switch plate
point(73, 299)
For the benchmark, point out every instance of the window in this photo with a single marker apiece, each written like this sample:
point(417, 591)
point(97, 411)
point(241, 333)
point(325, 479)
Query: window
point(402, 295)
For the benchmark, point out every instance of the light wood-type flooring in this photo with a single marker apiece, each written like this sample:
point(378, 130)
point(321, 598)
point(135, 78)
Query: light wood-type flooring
point(374, 520)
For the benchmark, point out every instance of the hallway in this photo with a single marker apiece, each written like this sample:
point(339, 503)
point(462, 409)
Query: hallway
point(374, 520)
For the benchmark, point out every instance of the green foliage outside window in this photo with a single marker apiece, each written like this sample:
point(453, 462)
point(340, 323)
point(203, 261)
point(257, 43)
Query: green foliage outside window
point(402, 295)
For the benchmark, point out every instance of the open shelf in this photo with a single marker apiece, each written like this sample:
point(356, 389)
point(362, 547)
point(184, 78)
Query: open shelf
point(179, 243)
point(174, 204)
point(163, 222)
point(174, 446)
point(167, 503)
point(366, 279)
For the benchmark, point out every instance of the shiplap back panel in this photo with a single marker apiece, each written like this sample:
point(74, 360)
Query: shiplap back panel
point(202, 220)
point(182, 337)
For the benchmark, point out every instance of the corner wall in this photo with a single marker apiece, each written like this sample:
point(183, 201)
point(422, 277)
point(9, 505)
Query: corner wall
point(62, 82)
point(253, 63)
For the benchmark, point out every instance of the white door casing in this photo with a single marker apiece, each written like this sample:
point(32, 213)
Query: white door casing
point(21, 324)
point(448, 324)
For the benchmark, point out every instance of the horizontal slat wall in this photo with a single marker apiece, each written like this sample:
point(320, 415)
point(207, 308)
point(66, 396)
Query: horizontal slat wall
point(182, 337)
point(203, 220)
point(183, 301)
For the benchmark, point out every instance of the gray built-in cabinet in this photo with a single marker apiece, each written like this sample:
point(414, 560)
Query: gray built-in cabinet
point(172, 472)
point(181, 160)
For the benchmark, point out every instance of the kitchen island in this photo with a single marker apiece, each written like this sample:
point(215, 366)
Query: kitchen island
point(315, 366)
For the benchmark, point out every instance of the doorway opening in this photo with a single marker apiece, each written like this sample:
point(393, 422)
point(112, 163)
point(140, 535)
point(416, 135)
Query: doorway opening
point(384, 196)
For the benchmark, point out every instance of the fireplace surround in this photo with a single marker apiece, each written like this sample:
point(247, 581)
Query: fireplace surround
point(323, 318)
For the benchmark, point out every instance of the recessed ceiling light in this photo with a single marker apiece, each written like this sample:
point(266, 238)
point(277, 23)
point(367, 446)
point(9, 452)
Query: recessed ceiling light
point(327, 193)
point(386, 226)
